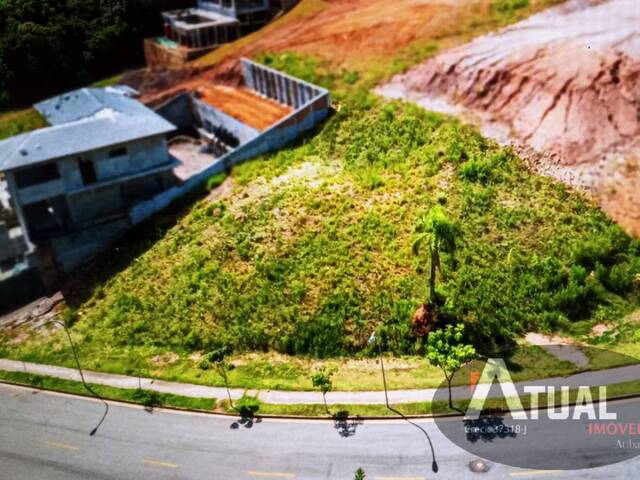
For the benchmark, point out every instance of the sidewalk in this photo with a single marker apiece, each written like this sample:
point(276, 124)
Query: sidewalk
point(602, 377)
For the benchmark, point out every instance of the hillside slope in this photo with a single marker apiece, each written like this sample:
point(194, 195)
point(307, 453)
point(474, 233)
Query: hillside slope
point(564, 83)
point(308, 250)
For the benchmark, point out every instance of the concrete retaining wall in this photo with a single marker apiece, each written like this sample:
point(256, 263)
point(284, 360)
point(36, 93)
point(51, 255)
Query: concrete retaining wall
point(314, 111)
point(279, 86)
point(208, 114)
point(179, 111)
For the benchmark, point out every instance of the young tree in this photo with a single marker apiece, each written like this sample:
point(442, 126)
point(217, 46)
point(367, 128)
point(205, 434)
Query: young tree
point(218, 358)
point(359, 475)
point(437, 234)
point(447, 350)
point(321, 380)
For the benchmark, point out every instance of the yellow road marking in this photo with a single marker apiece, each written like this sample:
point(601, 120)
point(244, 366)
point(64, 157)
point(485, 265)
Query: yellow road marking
point(63, 446)
point(271, 474)
point(526, 473)
point(159, 463)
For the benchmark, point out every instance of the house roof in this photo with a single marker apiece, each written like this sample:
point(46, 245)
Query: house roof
point(82, 120)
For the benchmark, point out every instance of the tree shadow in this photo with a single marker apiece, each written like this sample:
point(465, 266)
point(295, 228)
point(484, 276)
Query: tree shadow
point(248, 417)
point(345, 426)
point(487, 428)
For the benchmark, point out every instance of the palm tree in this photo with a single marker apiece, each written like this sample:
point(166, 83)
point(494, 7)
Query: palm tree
point(437, 234)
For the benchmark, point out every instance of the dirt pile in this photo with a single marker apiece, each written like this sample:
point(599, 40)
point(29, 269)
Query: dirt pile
point(339, 31)
point(565, 82)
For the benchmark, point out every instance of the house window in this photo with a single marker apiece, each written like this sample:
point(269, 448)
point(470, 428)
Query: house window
point(36, 175)
point(46, 217)
point(118, 152)
point(87, 171)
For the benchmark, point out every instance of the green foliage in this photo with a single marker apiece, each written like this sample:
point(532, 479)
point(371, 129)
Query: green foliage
point(149, 398)
point(247, 406)
point(301, 66)
point(48, 46)
point(215, 181)
point(509, 6)
point(321, 380)
point(70, 316)
point(306, 258)
point(15, 123)
point(438, 234)
point(360, 475)
point(446, 349)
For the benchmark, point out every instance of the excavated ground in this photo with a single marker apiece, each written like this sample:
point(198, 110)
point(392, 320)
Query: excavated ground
point(563, 86)
point(243, 104)
point(339, 31)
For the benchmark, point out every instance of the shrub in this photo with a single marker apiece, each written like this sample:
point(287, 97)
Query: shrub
point(621, 278)
point(148, 398)
point(247, 406)
point(215, 181)
point(477, 171)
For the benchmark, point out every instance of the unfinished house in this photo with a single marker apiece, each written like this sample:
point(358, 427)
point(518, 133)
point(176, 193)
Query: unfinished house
point(73, 183)
point(108, 163)
point(231, 124)
point(192, 32)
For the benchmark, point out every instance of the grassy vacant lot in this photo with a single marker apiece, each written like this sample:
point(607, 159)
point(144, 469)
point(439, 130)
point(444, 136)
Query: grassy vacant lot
point(311, 251)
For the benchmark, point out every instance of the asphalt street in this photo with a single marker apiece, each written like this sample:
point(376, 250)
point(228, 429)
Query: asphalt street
point(46, 436)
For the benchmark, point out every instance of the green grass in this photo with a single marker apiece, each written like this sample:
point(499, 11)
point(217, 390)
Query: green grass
point(154, 399)
point(426, 408)
point(144, 397)
point(312, 251)
point(20, 121)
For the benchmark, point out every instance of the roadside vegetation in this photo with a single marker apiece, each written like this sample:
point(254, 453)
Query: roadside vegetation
point(147, 398)
point(248, 406)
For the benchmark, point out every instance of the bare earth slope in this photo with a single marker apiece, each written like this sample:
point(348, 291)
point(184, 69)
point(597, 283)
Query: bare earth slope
point(565, 82)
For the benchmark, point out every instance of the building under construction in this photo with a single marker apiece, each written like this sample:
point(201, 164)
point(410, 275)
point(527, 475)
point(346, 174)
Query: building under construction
point(192, 32)
point(107, 162)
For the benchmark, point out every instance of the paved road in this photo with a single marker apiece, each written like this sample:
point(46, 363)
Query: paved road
point(45, 436)
point(602, 377)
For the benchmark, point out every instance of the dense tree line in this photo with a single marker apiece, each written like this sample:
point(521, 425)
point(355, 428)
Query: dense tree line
point(47, 46)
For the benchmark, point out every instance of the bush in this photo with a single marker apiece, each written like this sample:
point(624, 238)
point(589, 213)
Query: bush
point(148, 398)
point(215, 181)
point(247, 406)
point(621, 278)
point(477, 171)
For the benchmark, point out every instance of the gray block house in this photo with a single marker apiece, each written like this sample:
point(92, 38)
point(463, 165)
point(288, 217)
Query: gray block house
point(103, 153)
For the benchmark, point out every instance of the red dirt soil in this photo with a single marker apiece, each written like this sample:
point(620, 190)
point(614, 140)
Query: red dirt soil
point(341, 31)
point(241, 103)
point(564, 83)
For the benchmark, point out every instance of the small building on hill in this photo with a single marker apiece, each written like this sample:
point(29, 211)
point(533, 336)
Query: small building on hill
point(192, 32)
